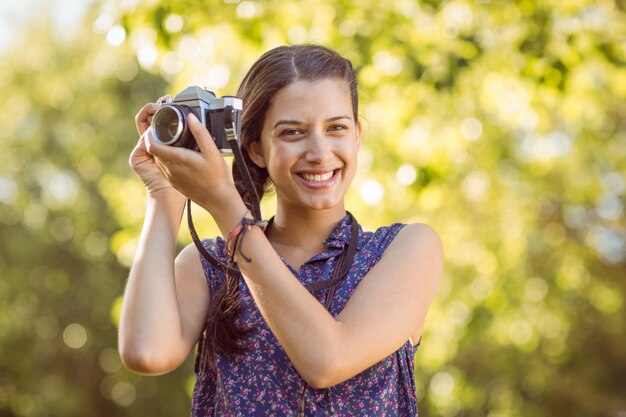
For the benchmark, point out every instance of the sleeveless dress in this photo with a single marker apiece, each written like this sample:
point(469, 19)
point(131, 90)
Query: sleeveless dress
point(263, 382)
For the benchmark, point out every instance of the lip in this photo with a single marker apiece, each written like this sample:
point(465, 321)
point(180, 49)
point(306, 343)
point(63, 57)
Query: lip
point(318, 185)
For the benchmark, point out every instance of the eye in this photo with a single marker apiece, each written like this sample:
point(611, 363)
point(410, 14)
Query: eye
point(290, 132)
point(337, 127)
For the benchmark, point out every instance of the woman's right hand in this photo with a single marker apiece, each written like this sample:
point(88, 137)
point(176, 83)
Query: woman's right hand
point(140, 160)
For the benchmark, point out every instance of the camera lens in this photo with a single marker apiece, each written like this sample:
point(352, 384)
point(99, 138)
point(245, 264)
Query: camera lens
point(168, 124)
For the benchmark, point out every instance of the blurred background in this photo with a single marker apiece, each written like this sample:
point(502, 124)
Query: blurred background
point(500, 123)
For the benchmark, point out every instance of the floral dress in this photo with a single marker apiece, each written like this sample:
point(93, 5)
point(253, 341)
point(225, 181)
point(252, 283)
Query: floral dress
point(263, 382)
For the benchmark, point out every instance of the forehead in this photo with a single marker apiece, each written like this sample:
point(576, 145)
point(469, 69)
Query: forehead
point(304, 100)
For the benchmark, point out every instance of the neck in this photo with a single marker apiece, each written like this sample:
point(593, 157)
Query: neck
point(304, 228)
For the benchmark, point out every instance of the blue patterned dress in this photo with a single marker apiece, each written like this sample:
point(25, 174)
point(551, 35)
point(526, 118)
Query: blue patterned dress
point(263, 382)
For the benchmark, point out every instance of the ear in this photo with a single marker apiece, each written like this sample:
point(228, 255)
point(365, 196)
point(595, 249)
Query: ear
point(358, 134)
point(255, 151)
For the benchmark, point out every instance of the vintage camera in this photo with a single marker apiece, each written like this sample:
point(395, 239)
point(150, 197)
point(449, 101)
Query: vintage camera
point(221, 116)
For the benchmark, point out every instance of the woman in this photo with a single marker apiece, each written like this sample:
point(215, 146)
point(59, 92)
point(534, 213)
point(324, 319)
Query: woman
point(269, 346)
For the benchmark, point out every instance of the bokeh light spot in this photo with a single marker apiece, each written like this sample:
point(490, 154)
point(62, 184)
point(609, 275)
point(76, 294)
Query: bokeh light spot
point(347, 28)
point(147, 55)
point(116, 35)
point(75, 336)
point(475, 185)
point(109, 360)
point(406, 174)
point(609, 207)
point(480, 288)
point(471, 129)
point(60, 188)
point(103, 23)
point(372, 192)
point(126, 69)
point(61, 97)
point(123, 393)
point(171, 64)
point(47, 327)
point(174, 23)
point(62, 229)
point(218, 76)
point(297, 34)
point(96, 244)
point(520, 332)
point(536, 289)
point(387, 63)
point(248, 9)
point(189, 48)
point(442, 384)
point(8, 189)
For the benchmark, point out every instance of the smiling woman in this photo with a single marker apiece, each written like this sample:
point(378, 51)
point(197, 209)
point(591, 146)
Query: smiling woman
point(322, 317)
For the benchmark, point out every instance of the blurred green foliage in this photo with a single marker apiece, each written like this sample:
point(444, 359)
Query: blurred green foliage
point(500, 123)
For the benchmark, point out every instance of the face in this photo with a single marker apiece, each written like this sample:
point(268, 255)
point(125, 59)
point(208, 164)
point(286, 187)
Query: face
point(309, 144)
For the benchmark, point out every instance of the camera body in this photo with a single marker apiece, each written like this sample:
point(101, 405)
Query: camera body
point(220, 115)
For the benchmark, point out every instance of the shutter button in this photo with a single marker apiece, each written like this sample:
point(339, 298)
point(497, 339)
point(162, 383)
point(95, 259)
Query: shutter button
point(323, 403)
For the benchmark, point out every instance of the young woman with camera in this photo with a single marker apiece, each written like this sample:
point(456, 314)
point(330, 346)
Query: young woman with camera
point(276, 339)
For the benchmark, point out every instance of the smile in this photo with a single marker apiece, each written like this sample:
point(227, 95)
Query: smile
point(318, 177)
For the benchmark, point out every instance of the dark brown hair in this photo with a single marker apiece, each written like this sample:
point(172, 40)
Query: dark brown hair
point(275, 69)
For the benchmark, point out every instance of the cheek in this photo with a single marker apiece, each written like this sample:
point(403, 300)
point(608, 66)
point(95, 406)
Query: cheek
point(349, 151)
point(350, 157)
point(278, 160)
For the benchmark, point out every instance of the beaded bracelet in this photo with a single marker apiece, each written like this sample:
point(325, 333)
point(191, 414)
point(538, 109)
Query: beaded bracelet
point(239, 232)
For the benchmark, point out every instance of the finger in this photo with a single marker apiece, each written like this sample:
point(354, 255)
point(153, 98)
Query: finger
point(139, 155)
point(141, 143)
point(164, 99)
point(163, 152)
point(142, 118)
point(172, 171)
point(153, 147)
point(164, 169)
point(203, 138)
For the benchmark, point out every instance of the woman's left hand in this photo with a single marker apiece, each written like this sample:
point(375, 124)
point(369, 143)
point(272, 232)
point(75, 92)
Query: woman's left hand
point(204, 177)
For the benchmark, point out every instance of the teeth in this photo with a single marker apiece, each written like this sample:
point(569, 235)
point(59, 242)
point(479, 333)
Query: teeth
point(318, 178)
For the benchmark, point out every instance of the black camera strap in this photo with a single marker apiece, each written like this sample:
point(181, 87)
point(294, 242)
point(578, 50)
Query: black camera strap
point(216, 263)
point(344, 262)
point(232, 135)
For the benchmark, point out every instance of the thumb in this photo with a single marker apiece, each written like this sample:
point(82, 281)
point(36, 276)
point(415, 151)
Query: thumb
point(203, 138)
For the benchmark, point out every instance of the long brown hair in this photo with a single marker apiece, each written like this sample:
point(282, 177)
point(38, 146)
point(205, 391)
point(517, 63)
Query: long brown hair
point(274, 70)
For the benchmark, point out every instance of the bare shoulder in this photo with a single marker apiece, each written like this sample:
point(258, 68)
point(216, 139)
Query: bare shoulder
point(413, 260)
point(422, 232)
point(189, 270)
point(415, 256)
point(419, 241)
point(189, 256)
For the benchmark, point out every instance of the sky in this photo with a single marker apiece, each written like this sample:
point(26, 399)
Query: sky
point(15, 16)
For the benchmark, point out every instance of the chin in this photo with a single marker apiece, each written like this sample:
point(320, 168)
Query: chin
point(308, 201)
point(324, 204)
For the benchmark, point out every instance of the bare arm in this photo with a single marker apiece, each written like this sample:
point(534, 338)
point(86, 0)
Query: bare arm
point(165, 302)
point(387, 308)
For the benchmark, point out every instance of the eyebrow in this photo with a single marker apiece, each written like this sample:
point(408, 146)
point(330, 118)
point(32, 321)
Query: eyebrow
point(298, 122)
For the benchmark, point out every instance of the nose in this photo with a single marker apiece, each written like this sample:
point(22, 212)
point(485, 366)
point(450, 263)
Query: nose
point(319, 149)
